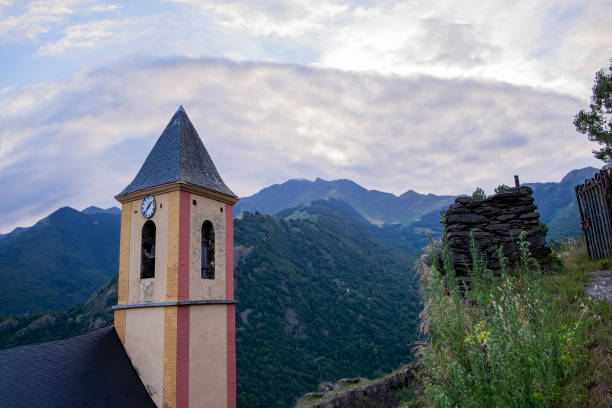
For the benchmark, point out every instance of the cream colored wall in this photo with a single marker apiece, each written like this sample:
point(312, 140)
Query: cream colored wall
point(144, 343)
point(146, 340)
point(208, 356)
point(153, 289)
point(206, 209)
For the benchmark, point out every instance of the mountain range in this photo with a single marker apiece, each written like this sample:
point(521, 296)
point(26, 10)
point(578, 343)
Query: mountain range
point(557, 203)
point(324, 278)
point(322, 294)
point(417, 212)
point(376, 206)
point(58, 262)
point(63, 258)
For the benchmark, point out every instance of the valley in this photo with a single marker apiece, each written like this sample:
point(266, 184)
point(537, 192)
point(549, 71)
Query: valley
point(324, 273)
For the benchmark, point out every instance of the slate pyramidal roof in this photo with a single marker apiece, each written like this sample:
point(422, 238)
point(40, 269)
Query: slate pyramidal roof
point(179, 156)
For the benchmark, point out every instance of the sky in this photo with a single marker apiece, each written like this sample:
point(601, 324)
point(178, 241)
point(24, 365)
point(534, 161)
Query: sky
point(434, 96)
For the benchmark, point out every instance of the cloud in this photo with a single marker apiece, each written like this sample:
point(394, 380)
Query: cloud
point(101, 8)
point(540, 43)
point(79, 36)
point(81, 140)
point(281, 18)
point(39, 17)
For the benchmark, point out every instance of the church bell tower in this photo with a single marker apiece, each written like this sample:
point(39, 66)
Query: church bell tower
point(176, 311)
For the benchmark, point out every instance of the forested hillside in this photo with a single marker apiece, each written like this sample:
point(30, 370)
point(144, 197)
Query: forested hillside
point(44, 326)
point(322, 294)
point(557, 203)
point(376, 206)
point(419, 213)
point(59, 262)
point(68, 255)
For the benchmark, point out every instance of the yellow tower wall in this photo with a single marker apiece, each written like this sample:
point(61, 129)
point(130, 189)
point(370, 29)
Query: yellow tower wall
point(152, 289)
point(206, 209)
point(179, 349)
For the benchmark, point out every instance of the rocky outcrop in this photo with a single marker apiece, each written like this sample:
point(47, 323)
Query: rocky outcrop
point(493, 222)
point(380, 394)
point(41, 323)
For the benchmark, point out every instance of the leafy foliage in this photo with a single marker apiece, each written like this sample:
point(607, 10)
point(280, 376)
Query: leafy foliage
point(500, 341)
point(320, 298)
point(597, 123)
point(16, 330)
point(59, 262)
point(500, 188)
point(297, 323)
point(479, 194)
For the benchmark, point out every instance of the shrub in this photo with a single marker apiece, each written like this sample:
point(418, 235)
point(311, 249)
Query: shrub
point(479, 194)
point(500, 188)
point(497, 342)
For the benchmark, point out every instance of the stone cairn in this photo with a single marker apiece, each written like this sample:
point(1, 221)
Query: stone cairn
point(494, 221)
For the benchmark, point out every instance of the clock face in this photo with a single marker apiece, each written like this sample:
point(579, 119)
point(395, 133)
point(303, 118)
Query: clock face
point(148, 206)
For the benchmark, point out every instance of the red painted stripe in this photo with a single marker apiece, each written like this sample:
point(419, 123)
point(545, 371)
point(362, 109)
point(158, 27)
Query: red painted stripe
point(182, 324)
point(231, 356)
point(182, 357)
point(231, 309)
point(229, 251)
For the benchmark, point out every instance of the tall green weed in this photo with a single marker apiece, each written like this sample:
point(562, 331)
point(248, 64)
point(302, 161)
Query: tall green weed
point(497, 342)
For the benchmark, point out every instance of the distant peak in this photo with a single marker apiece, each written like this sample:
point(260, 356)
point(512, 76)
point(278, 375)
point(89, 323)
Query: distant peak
point(97, 210)
point(578, 175)
point(91, 208)
point(180, 109)
point(297, 180)
point(409, 194)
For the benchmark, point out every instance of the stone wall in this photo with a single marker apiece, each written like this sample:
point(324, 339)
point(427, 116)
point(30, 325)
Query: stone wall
point(495, 221)
point(381, 394)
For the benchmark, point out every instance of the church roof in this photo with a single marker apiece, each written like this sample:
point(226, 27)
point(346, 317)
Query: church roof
point(90, 370)
point(178, 155)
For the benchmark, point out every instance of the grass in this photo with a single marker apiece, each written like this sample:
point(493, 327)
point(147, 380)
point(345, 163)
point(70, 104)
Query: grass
point(522, 338)
point(593, 377)
point(339, 388)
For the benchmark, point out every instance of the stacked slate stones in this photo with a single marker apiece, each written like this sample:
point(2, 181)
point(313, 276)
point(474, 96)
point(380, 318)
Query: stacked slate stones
point(495, 221)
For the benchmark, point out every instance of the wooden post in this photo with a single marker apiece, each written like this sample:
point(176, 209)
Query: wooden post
point(578, 190)
point(516, 181)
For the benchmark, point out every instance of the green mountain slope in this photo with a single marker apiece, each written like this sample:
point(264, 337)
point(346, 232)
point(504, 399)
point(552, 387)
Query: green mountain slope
point(44, 326)
point(322, 294)
point(557, 203)
point(59, 262)
point(417, 212)
point(62, 259)
point(376, 206)
point(320, 297)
